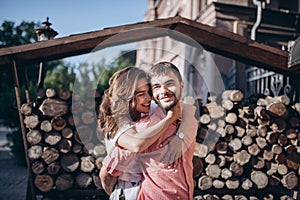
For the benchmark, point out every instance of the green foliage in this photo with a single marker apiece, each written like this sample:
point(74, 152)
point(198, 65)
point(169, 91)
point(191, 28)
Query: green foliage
point(106, 73)
point(63, 76)
point(92, 76)
point(11, 35)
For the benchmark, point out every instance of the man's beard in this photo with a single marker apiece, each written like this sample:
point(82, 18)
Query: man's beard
point(166, 106)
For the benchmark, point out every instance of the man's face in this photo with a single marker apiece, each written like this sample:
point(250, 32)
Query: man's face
point(166, 90)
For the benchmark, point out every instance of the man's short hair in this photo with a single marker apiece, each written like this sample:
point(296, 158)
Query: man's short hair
point(164, 68)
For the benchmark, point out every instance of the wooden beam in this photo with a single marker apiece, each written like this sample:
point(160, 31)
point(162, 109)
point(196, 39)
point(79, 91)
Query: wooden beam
point(234, 46)
point(213, 39)
point(79, 44)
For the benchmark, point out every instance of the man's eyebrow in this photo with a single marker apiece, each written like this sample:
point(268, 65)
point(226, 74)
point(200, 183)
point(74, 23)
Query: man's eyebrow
point(170, 81)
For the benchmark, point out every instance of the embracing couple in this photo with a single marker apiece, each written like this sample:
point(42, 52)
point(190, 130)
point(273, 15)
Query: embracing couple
point(150, 135)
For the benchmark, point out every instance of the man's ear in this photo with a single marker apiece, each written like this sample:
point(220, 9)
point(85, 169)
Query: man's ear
point(182, 85)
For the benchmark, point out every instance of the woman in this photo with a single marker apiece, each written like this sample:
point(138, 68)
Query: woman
point(128, 99)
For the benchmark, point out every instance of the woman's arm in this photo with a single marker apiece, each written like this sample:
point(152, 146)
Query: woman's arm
point(108, 181)
point(139, 141)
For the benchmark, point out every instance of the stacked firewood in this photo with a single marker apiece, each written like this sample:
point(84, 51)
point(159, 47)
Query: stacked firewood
point(63, 147)
point(248, 147)
point(241, 148)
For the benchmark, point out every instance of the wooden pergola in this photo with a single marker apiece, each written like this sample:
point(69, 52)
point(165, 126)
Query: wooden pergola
point(212, 39)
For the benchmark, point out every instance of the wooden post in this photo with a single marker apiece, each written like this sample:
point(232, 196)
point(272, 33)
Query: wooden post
point(41, 76)
point(26, 86)
point(18, 99)
point(296, 88)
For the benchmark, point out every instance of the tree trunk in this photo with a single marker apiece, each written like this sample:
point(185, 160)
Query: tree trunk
point(50, 92)
point(69, 162)
point(260, 179)
point(205, 182)
point(64, 182)
point(53, 168)
point(50, 155)
point(38, 167)
point(43, 182)
point(84, 180)
point(53, 107)
point(34, 137)
point(31, 121)
point(58, 123)
point(52, 138)
point(87, 163)
point(65, 146)
point(35, 152)
point(26, 108)
point(64, 94)
point(67, 133)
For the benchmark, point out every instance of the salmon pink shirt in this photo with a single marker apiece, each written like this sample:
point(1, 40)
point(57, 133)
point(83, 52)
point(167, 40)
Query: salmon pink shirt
point(158, 181)
point(161, 182)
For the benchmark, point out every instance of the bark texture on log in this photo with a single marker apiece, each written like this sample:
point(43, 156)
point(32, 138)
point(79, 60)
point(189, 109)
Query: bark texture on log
point(64, 182)
point(69, 162)
point(43, 182)
point(257, 146)
point(53, 107)
point(84, 180)
point(34, 137)
point(240, 147)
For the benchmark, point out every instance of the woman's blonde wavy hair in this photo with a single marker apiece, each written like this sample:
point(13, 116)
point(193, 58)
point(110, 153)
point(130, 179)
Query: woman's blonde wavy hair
point(118, 104)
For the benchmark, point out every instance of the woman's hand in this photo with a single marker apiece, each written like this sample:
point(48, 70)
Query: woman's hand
point(175, 112)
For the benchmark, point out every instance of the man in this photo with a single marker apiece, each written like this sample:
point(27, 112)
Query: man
point(159, 181)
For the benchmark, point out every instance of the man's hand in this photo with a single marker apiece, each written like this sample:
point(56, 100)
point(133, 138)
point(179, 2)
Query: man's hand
point(188, 111)
point(173, 155)
point(108, 181)
point(176, 145)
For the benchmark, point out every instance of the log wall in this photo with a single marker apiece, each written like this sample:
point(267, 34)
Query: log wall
point(243, 150)
point(247, 150)
point(64, 149)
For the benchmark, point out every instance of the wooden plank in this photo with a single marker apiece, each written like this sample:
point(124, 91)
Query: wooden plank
point(234, 46)
point(213, 39)
point(78, 44)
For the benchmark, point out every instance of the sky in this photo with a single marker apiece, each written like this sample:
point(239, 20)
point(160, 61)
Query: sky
point(74, 16)
point(70, 17)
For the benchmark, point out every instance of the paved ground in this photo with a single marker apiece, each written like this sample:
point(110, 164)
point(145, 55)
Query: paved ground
point(13, 177)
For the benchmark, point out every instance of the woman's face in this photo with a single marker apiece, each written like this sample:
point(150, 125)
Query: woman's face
point(142, 96)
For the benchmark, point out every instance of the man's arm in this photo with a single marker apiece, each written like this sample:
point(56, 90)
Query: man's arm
point(177, 145)
point(108, 181)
